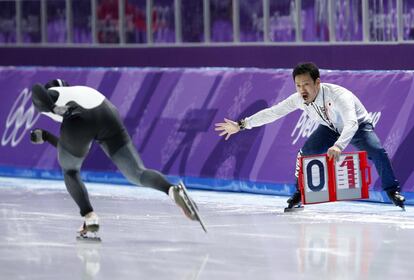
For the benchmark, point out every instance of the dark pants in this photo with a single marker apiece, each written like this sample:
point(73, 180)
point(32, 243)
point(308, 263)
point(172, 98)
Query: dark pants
point(365, 139)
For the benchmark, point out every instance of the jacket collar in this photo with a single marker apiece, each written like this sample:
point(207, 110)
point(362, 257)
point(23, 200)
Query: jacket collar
point(319, 97)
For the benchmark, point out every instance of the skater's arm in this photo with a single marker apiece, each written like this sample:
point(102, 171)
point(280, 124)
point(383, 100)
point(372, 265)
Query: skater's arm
point(39, 136)
point(50, 138)
point(42, 100)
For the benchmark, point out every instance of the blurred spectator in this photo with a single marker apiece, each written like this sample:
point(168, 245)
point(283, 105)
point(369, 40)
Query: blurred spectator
point(409, 24)
point(321, 20)
point(192, 20)
point(31, 22)
point(137, 24)
point(141, 27)
point(56, 21)
point(82, 30)
point(251, 21)
point(282, 21)
point(221, 20)
point(108, 16)
point(7, 22)
point(163, 21)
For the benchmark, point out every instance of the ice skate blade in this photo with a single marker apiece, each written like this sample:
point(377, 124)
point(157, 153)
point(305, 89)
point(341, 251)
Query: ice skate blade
point(84, 238)
point(294, 209)
point(401, 205)
point(193, 206)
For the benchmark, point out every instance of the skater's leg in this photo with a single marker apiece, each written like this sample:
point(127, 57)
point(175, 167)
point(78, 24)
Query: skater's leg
point(116, 143)
point(130, 164)
point(71, 171)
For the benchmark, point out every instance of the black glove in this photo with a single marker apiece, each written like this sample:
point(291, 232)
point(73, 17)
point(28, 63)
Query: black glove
point(69, 111)
point(74, 110)
point(36, 136)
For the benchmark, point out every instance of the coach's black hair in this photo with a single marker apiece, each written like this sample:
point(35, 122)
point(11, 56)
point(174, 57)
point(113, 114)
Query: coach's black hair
point(304, 68)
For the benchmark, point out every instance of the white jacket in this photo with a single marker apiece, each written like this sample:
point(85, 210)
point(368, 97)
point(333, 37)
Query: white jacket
point(344, 111)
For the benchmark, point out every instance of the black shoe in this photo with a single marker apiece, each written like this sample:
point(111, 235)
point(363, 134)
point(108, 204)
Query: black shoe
point(396, 198)
point(294, 200)
point(294, 203)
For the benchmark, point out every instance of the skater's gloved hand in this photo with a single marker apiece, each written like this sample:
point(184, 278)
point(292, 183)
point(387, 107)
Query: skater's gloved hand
point(36, 136)
point(74, 110)
point(60, 110)
point(229, 127)
point(69, 111)
point(334, 152)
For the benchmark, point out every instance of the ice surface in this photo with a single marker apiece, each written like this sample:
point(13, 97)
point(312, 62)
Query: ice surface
point(145, 236)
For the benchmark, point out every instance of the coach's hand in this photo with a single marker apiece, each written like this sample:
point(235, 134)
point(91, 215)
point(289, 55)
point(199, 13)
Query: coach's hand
point(229, 127)
point(334, 152)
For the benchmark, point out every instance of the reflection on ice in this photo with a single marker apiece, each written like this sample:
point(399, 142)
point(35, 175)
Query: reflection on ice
point(146, 237)
point(88, 253)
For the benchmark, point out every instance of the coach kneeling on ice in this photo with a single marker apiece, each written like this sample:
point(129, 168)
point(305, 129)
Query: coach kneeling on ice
point(342, 119)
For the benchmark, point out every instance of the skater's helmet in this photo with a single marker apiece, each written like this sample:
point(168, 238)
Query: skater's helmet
point(56, 83)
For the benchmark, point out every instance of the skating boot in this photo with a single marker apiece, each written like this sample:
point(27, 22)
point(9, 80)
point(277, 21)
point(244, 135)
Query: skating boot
point(90, 228)
point(180, 196)
point(294, 203)
point(177, 195)
point(396, 198)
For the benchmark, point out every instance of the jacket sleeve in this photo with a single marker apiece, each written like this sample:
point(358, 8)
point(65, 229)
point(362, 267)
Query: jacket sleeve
point(349, 117)
point(41, 99)
point(273, 113)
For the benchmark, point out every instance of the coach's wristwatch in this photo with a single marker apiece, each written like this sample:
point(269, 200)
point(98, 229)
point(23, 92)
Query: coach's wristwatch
point(242, 124)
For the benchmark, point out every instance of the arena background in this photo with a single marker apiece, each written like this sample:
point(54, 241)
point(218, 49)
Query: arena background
point(191, 64)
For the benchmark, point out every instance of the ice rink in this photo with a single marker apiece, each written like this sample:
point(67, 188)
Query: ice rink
point(145, 236)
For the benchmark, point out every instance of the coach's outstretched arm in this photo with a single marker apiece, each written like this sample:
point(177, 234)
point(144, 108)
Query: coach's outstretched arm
point(228, 128)
point(262, 117)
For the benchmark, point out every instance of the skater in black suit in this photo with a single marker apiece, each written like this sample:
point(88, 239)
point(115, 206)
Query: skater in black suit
point(86, 116)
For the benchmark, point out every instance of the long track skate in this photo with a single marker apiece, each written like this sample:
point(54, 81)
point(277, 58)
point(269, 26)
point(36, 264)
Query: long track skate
point(193, 207)
point(89, 233)
point(397, 199)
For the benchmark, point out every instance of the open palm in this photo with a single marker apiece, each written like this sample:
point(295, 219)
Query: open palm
point(227, 128)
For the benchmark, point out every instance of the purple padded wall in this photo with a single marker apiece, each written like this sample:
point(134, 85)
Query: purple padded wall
point(170, 115)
